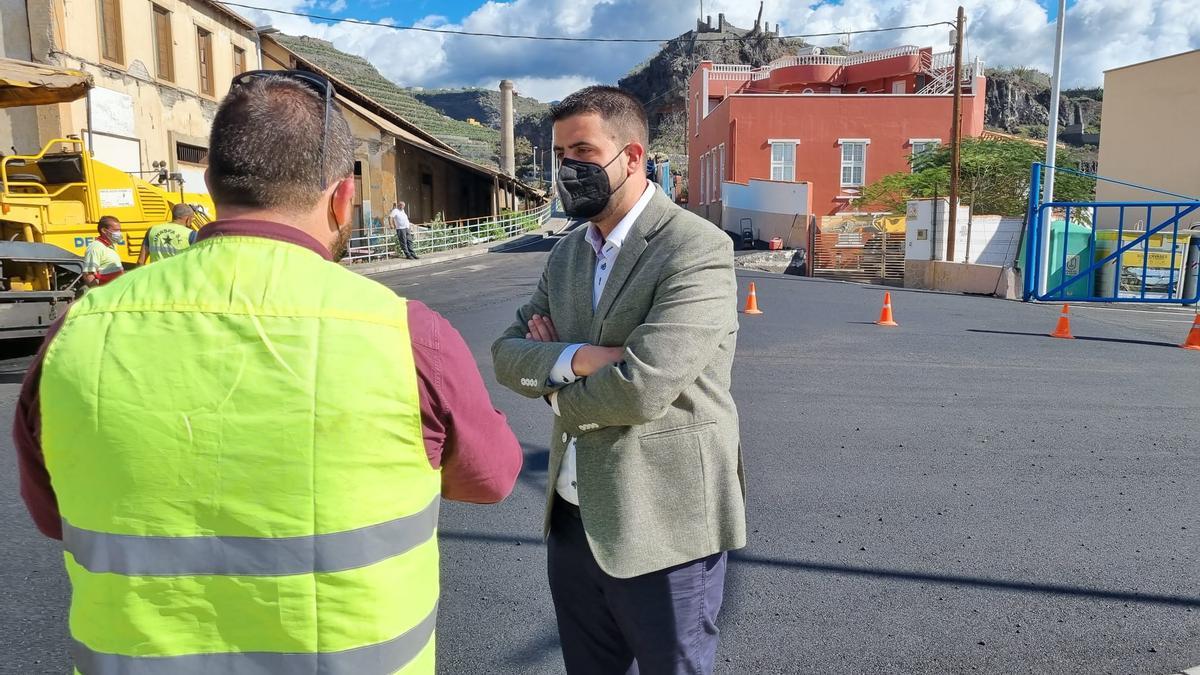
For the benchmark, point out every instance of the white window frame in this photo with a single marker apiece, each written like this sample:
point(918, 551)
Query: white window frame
point(852, 164)
point(712, 177)
point(698, 117)
point(783, 165)
point(901, 85)
point(926, 142)
point(703, 179)
point(720, 171)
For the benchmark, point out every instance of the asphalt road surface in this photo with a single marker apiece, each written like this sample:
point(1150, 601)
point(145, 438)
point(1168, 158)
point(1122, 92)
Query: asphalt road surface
point(959, 494)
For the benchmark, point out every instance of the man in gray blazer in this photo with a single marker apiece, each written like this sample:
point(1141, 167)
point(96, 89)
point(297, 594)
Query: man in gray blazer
point(630, 337)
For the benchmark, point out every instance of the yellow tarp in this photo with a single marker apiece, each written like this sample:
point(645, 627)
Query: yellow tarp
point(23, 83)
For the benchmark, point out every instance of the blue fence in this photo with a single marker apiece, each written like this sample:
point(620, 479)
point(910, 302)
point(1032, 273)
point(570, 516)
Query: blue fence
point(1112, 251)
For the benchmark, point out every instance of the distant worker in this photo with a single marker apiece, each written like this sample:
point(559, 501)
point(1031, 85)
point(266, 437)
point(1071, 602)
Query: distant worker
point(168, 239)
point(266, 499)
point(101, 261)
point(403, 228)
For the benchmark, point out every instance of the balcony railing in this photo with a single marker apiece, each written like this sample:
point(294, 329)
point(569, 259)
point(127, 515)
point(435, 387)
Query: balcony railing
point(739, 72)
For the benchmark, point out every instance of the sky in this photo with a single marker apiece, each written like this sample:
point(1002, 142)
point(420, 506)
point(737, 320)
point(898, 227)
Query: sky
point(1100, 34)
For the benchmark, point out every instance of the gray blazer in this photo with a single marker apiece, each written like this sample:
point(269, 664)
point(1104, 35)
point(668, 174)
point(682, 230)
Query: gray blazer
point(658, 459)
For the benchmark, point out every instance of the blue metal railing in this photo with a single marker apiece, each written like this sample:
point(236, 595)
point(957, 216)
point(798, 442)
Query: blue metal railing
point(1061, 267)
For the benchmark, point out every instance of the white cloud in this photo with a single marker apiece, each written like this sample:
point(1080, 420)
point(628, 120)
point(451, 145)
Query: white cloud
point(550, 88)
point(337, 6)
point(1101, 34)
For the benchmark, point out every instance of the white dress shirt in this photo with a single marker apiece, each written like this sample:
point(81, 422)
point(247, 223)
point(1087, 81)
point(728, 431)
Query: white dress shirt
point(399, 219)
point(607, 251)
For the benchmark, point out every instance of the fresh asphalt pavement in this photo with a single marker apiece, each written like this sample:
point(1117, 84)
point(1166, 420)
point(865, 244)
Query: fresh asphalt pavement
point(959, 494)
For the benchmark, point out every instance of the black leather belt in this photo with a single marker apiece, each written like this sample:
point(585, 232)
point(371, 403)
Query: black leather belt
point(566, 506)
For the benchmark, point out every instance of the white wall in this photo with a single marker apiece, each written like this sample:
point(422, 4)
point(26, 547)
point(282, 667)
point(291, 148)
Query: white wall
point(774, 209)
point(768, 196)
point(993, 240)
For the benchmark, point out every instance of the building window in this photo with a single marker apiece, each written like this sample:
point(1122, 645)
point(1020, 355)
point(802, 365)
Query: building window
point(720, 170)
point(239, 60)
point(783, 160)
point(898, 87)
point(854, 162)
point(921, 145)
point(192, 154)
point(164, 46)
point(713, 167)
point(111, 45)
point(698, 118)
point(204, 51)
point(704, 188)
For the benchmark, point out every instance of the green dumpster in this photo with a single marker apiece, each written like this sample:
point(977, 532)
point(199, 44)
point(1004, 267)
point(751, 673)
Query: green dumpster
point(1078, 241)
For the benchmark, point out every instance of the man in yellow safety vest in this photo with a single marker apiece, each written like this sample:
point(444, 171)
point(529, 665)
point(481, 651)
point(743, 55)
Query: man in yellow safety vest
point(265, 500)
point(168, 239)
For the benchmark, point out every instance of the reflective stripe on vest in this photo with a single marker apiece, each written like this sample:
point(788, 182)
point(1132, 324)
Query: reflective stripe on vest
point(179, 556)
point(242, 477)
point(384, 658)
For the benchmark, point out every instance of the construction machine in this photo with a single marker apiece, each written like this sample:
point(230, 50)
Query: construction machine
point(51, 202)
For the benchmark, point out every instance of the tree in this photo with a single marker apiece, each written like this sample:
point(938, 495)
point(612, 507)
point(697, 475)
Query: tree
point(994, 178)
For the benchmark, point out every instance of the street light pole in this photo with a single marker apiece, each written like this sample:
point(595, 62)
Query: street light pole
point(955, 136)
point(1055, 92)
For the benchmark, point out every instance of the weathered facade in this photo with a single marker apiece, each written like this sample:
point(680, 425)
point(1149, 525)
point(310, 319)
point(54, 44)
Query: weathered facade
point(159, 68)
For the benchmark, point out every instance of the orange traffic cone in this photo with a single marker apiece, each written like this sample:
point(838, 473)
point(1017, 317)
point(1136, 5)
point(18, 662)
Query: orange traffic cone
point(1063, 329)
point(885, 316)
point(752, 301)
point(1193, 338)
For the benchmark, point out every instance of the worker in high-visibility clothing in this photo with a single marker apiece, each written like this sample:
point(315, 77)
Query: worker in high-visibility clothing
point(168, 239)
point(264, 500)
point(101, 260)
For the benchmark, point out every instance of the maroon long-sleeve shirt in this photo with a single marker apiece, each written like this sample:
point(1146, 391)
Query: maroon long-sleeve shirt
point(464, 434)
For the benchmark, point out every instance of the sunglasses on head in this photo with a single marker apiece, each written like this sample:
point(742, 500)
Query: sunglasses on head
point(319, 84)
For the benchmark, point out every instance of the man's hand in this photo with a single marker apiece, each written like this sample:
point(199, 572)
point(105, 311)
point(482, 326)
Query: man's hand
point(541, 329)
point(591, 359)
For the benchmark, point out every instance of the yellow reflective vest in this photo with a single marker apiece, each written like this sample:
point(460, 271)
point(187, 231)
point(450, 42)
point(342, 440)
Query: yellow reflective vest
point(258, 499)
point(166, 240)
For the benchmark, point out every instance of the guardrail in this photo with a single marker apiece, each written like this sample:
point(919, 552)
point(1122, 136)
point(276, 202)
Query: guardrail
point(379, 243)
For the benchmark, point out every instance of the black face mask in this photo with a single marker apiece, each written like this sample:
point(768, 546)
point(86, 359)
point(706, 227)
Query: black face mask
point(584, 187)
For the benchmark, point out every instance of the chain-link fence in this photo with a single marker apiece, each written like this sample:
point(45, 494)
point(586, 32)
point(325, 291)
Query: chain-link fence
point(378, 242)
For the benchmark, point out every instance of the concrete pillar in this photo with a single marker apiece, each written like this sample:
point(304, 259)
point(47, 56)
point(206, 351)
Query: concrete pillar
point(508, 158)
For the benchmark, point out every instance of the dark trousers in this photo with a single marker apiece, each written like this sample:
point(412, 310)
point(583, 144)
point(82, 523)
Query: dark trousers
point(659, 623)
point(404, 242)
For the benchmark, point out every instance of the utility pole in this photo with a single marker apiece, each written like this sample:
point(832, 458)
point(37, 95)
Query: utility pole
point(1055, 92)
point(956, 135)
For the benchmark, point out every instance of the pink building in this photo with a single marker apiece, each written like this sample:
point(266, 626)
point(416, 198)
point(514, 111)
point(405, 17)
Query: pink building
point(837, 122)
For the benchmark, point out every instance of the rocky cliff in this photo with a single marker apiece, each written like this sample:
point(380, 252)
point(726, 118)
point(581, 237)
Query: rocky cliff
point(661, 81)
point(1018, 102)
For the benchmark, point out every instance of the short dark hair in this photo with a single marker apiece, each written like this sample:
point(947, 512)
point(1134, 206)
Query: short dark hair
point(182, 211)
point(621, 110)
point(104, 221)
point(265, 148)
